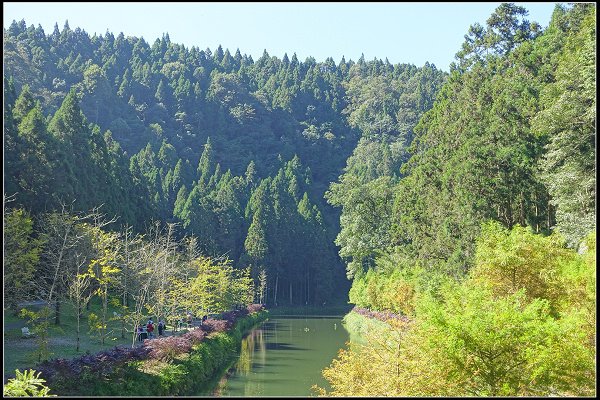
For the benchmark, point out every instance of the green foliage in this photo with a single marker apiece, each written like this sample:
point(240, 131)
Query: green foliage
point(365, 221)
point(510, 261)
point(385, 108)
point(384, 291)
point(568, 120)
point(26, 384)
point(169, 97)
point(213, 287)
point(262, 286)
point(256, 243)
point(103, 269)
point(33, 173)
point(521, 324)
point(505, 29)
point(40, 324)
point(476, 153)
point(500, 346)
point(360, 328)
point(21, 256)
point(98, 328)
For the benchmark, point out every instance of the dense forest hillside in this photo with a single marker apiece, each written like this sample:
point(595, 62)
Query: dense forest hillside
point(459, 206)
point(238, 152)
point(511, 137)
point(483, 243)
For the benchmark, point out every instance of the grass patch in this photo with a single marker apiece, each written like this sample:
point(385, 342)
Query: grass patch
point(18, 351)
point(188, 374)
point(10, 317)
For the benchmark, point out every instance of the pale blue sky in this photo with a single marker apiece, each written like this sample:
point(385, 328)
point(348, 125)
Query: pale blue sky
point(402, 32)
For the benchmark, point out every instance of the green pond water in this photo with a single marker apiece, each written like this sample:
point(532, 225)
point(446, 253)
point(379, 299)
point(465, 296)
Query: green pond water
point(284, 357)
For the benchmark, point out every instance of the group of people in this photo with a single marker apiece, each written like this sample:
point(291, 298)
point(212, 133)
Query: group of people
point(189, 321)
point(147, 331)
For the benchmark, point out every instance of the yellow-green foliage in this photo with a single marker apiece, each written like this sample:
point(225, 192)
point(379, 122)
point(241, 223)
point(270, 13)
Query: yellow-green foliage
point(509, 346)
point(394, 291)
point(579, 295)
point(39, 321)
point(214, 287)
point(21, 256)
point(518, 259)
point(26, 384)
point(359, 327)
point(521, 324)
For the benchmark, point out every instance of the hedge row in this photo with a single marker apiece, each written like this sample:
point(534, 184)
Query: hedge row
point(383, 316)
point(175, 365)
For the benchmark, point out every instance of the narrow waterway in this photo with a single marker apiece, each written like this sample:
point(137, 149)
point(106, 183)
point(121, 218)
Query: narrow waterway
point(284, 357)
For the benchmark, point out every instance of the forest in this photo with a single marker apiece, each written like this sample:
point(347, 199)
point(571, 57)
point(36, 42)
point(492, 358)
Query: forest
point(483, 242)
point(463, 201)
point(238, 153)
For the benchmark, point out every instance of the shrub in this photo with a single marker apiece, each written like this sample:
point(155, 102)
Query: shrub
point(215, 325)
point(384, 316)
point(254, 308)
point(390, 290)
point(167, 348)
point(26, 384)
point(118, 371)
point(195, 336)
point(94, 366)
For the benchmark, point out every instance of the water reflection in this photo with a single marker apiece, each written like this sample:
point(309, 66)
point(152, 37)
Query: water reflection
point(284, 357)
point(251, 344)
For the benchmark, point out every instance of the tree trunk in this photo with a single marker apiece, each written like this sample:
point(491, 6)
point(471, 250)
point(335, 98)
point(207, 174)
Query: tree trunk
point(78, 328)
point(521, 211)
point(57, 312)
point(104, 311)
point(126, 267)
point(537, 222)
point(276, 282)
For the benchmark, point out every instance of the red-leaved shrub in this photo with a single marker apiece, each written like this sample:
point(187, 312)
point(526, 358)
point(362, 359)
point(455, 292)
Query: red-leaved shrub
point(214, 325)
point(99, 365)
point(253, 308)
point(380, 315)
point(168, 347)
point(195, 336)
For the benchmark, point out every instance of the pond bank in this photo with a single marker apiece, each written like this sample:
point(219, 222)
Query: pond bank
point(158, 369)
point(283, 356)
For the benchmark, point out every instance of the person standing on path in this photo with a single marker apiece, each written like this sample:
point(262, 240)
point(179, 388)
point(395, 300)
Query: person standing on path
point(150, 329)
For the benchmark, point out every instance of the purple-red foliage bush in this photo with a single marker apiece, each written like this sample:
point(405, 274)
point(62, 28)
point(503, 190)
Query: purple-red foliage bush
point(167, 348)
point(215, 325)
point(195, 336)
point(228, 319)
point(253, 308)
point(232, 316)
point(97, 365)
point(103, 363)
point(380, 315)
